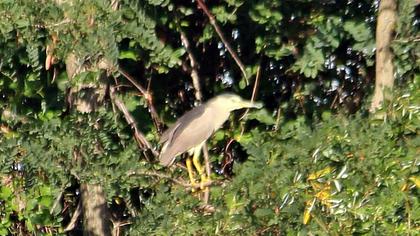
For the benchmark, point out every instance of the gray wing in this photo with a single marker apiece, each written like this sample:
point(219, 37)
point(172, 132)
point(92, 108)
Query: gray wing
point(190, 130)
point(181, 122)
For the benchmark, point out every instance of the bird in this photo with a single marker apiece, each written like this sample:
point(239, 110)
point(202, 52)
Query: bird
point(191, 130)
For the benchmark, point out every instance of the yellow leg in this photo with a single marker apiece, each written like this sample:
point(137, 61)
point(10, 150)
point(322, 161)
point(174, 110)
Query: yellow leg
point(190, 172)
point(196, 160)
point(199, 167)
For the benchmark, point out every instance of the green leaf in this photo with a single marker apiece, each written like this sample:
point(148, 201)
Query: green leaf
point(5, 193)
point(128, 55)
point(219, 135)
point(242, 84)
point(263, 212)
point(262, 116)
point(360, 31)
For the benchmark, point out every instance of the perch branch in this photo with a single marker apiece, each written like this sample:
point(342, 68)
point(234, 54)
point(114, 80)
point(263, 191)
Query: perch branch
point(176, 181)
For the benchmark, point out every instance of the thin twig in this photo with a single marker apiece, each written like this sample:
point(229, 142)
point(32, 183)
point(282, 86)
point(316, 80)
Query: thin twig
point(333, 102)
point(208, 172)
point(74, 219)
point(253, 96)
point(56, 202)
point(148, 96)
point(142, 90)
point(117, 225)
point(277, 124)
point(194, 66)
point(254, 89)
point(228, 154)
point(139, 136)
point(257, 82)
point(153, 113)
point(219, 32)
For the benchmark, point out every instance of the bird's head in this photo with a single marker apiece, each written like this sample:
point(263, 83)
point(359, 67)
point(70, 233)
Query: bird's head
point(230, 102)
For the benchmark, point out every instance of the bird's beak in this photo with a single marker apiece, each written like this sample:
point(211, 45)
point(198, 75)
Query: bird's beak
point(250, 104)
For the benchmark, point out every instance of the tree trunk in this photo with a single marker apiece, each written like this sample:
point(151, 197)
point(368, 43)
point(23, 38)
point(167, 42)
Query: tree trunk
point(96, 219)
point(384, 81)
point(96, 216)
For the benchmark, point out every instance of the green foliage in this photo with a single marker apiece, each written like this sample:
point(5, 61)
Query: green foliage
point(341, 176)
point(92, 30)
point(311, 62)
point(91, 147)
point(406, 52)
point(266, 13)
point(32, 207)
point(314, 172)
point(362, 35)
point(330, 33)
point(139, 27)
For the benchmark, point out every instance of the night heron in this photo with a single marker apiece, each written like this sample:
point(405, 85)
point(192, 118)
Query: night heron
point(191, 130)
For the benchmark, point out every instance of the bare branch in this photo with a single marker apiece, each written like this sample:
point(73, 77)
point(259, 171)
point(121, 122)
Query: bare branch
point(208, 172)
point(75, 218)
point(139, 136)
point(254, 89)
point(219, 32)
point(257, 83)
point(148, 96)
point(134, 82)
point(194, 66)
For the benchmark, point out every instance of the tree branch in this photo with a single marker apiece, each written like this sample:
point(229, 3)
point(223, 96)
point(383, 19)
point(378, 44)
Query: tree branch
point(74, 219)
point(142, 90)
point(219, 32)
point(176, 181)
point(148, 96)
point(194, 66)
point(384, 78)
point(254, 89)
point(139, 136)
